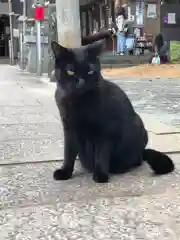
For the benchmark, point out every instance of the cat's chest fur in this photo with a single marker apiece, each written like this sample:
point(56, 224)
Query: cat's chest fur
point(80, 111)
point(103, 107)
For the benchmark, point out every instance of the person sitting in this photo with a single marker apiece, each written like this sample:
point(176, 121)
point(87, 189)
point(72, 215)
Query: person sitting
point(160, 48)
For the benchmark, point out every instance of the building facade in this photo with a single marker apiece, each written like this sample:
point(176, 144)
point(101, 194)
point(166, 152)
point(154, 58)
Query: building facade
point(17, 9)
point(4, 28)
point(143, 14)
point(170, 20)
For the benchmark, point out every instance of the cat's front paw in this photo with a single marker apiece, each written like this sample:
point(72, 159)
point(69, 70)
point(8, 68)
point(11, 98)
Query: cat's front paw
point(62, 174)
point(99, 176)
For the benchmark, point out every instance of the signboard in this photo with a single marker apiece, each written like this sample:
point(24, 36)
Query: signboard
point(171, 18)
point(151, 11)
point(39, 13)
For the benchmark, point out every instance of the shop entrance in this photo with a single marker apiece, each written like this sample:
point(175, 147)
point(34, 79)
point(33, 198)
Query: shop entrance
point(4, 36)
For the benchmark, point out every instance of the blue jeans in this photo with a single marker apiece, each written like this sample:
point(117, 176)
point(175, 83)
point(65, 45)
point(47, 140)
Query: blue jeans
point(121, 42)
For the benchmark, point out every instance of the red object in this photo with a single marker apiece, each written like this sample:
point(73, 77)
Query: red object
point(39, 13)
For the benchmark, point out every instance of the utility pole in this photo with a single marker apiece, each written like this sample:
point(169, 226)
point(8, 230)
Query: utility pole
point(68, 23)
point(23, 35)
point(52, 37)
point(39, 17)
point(39, 49)
point(11, 44)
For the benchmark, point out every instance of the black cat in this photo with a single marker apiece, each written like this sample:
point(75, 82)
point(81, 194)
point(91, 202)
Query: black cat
point(99, 122)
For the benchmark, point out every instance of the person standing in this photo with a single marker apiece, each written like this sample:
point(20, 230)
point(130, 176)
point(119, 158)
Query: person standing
point(121, 36)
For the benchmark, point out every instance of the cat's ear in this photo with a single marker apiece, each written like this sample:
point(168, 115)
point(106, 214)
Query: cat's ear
point(95, 49)
point(59, 51)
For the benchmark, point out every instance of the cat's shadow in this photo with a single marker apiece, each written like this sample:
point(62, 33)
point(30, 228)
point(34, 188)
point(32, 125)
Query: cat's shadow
point(81, 172)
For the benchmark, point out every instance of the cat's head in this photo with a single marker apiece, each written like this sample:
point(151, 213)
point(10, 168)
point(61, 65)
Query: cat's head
point(77, 70)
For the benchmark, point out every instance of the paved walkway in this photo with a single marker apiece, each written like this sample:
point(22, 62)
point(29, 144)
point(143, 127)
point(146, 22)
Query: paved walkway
point(157, 97)
point(33, 206)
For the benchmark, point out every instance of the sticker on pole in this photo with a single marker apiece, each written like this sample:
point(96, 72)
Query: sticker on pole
point(39, 14)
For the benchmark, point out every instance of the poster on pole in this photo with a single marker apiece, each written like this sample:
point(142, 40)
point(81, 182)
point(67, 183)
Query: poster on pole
point(151, 11)
point(171, 18)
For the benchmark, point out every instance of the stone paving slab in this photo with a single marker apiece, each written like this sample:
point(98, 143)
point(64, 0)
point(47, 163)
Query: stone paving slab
point(6, 81)
point(44, 142)
point(136, 205)
point(19, 110)
point(19, 102)
point(33, 184)
point(45, 96)
point(118, 218)
point(159, 97)
point(26, 110)
point(14, 95)
point(164, 143)
point(31, 131)
point(28, 118)
point(156, 126)
point(31, 150)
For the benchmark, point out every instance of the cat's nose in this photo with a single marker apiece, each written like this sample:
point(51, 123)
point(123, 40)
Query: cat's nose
point(81, 82)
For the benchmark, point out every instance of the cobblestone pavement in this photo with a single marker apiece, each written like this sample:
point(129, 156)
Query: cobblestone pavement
point(33, 206)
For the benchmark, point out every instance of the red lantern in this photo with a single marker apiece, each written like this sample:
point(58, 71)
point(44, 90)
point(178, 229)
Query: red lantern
point(39, 13)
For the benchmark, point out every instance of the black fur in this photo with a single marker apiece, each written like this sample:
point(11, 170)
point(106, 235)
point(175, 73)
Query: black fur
point(100, 124)
point(159, 162)
point(103, 34)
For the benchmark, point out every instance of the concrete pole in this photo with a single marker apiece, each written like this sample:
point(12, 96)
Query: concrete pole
point(39, 49)
point(38, 37)
point(11, 47)
point(23, 36)
point(68, 23)
point(52, 37)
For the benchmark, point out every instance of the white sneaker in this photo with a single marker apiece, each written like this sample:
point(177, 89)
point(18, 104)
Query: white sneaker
point(121, 54)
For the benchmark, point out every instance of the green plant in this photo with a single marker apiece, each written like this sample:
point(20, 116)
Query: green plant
point(175, 51)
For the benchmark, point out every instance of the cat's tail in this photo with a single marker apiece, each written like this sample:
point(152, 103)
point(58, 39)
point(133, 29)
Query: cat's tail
point(158, 161)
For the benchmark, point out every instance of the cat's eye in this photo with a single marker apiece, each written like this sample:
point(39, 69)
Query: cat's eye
point(90, 72)
point(70, 73)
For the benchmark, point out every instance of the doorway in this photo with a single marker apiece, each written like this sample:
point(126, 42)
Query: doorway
point(4, 36)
